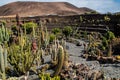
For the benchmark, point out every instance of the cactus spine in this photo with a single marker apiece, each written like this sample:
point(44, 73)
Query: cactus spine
point(60, 60)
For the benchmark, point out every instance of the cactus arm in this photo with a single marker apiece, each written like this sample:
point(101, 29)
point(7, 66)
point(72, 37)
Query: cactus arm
point(5, 57)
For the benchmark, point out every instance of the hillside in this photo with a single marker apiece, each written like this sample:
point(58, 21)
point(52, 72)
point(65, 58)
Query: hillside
point(41, 8)
point(87, 10)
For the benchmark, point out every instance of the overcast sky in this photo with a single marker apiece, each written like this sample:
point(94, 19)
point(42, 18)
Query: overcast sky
point(102, 6)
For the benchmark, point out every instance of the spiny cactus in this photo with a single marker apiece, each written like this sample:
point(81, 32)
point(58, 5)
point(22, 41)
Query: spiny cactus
point(60, 60)
point(43, 36)
point(4, 36)
point(3, 62)
point(39, 57)
point(5, 57)
point(54, 52)
point(21, 60)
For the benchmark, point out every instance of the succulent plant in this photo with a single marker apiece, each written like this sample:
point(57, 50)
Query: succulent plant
point(4, 35)
point(3, 62)
point(21, 59)
point(60, 62)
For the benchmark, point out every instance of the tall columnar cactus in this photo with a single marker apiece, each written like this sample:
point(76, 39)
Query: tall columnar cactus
point(5, 57)
point(46, 37)
point(43, 36)
point(4, 36)
point(3, 62)
point(60, 60)
point(54, 52)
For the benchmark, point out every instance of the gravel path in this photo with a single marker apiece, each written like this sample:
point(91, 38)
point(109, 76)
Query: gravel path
point(110, 70)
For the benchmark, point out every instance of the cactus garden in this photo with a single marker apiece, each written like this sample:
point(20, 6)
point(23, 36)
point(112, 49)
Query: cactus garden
point(28, 51)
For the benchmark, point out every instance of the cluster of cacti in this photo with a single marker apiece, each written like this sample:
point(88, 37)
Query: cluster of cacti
point(4, 35)
point(96, 46)
point(66, 55)
point(28, 52)
point(21, 59)
point(43, 37)
point(59, 56)
point(3, 62)
point(54, 49)
point(92, 47)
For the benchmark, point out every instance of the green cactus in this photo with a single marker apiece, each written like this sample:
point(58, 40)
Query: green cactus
point(54, 52)
point(5, 57)
point(43, 36)
point(60, 60)
point(21, 60)
point(4, 35)
point(3, 62)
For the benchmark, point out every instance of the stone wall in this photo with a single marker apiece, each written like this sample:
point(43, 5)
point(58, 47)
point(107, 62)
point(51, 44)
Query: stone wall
point(88, 22)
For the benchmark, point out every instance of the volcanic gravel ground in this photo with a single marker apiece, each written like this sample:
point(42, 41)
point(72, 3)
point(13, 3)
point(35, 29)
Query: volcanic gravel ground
point(110, 70)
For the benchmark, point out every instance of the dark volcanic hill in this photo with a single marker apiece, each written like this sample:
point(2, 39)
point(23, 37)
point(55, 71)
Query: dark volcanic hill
point(41, 8)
